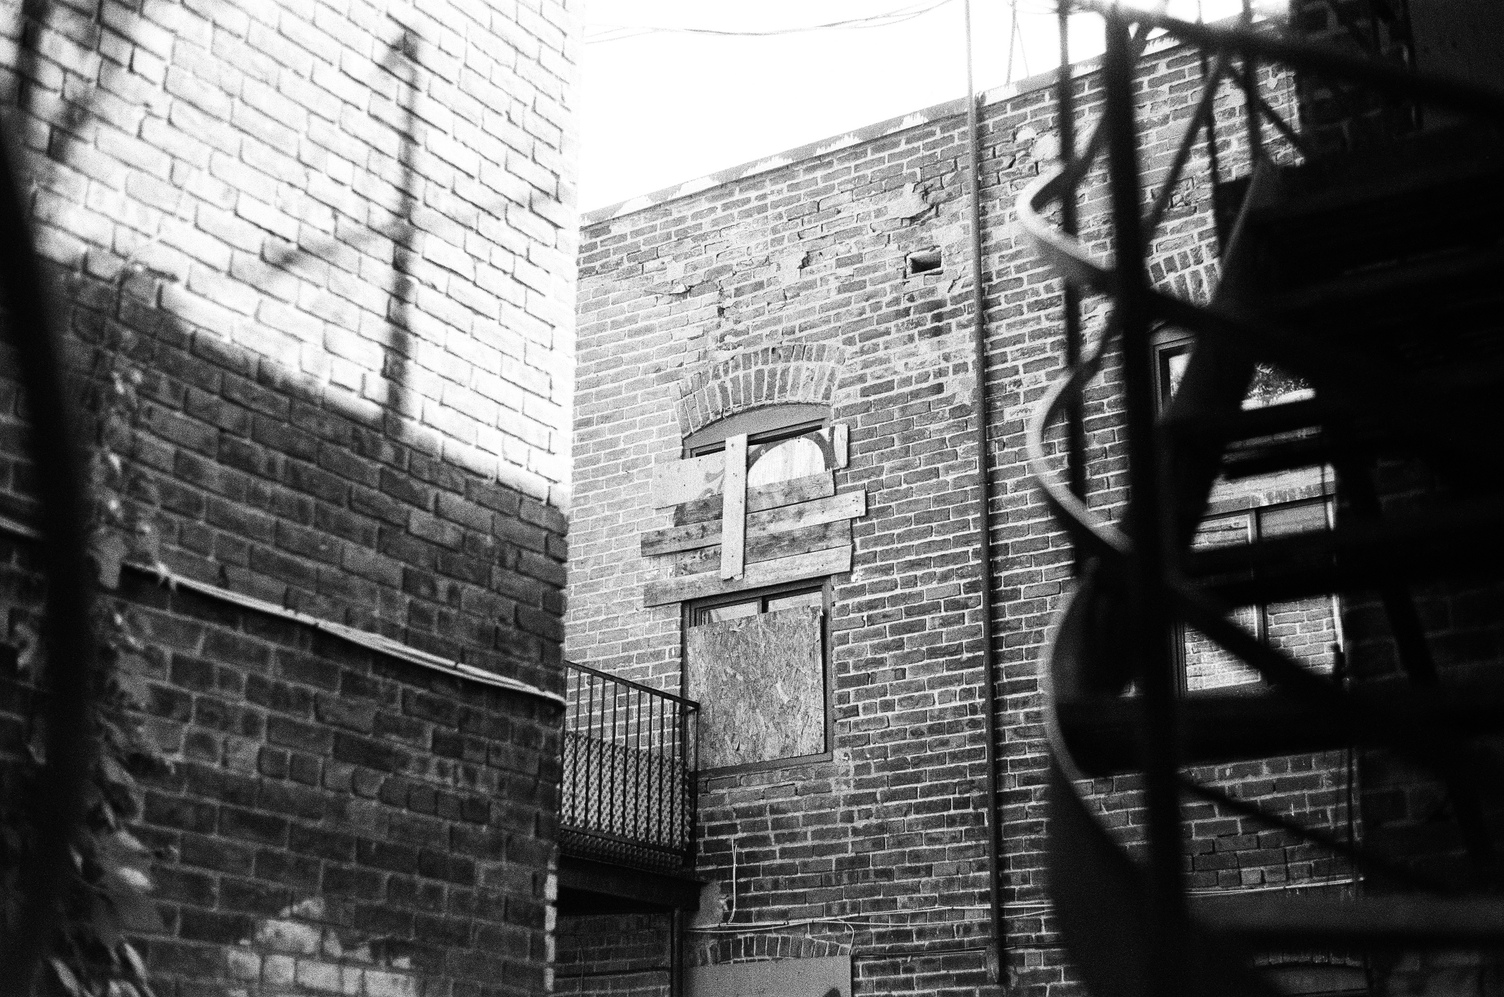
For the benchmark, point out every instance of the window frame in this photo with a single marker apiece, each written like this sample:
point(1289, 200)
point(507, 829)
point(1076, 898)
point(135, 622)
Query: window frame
point(688, 613)
point(1254, 513)
point(1166, 346)
point(761, 425)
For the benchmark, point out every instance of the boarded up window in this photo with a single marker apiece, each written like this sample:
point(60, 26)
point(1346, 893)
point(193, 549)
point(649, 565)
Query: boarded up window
point(758, 672)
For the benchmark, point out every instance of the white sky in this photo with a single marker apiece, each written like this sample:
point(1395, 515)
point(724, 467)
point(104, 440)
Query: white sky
point(662, 107)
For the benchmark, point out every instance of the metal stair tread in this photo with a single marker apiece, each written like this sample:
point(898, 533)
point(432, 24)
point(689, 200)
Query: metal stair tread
point(1246, 722)
point(1410, 919)
point(1467, 536)
point(1416, 279)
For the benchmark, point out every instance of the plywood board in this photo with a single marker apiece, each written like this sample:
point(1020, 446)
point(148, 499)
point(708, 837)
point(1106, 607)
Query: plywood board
point(760, 682)
point(695, 478)
point(693, 536)
point(688, 480)
point(829, 976)
point(784, 569)
point(811, 486)
point(785, 543)
point(734, 508)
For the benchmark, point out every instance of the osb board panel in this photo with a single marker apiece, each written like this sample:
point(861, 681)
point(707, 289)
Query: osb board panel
point(826, 977)
point(760, 685)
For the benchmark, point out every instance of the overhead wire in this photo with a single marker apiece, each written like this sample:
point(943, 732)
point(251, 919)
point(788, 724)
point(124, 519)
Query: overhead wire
point(619, 32)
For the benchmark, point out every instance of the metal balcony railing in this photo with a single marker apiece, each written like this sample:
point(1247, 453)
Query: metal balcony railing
point(629, 765)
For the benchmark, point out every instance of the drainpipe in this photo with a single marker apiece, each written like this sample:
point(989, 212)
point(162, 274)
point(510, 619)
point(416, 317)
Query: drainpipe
point(984, 519)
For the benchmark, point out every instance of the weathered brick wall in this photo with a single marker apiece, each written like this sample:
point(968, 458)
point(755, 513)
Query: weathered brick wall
point(885, 840)
point(335, 246)
point(340, 254)
point(617, 954)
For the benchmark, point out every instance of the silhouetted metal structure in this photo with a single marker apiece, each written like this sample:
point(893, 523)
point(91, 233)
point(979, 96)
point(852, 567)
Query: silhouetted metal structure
point(1329, 264)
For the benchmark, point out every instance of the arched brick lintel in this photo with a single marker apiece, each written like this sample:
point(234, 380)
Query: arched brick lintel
point(773, 375)
point(761, 945)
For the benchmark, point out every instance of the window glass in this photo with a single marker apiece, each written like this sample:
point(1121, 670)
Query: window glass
point(1306, 629)
point(813, 598)
point(1297, 517)
point(726, 611)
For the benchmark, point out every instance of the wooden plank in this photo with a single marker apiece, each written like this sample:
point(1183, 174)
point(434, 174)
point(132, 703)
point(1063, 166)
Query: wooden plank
point(734, 508)
point(688, 480)
point(784, 569)
point(762, 497)
point(697, 478)
point(693, 536)
point(764, 548)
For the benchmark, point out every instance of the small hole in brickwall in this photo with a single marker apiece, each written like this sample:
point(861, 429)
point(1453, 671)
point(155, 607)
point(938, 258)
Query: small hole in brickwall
point(924, 261)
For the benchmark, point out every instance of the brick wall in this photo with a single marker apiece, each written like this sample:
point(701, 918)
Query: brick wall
point(883, 843)
point(617, 954)
point(333, 248)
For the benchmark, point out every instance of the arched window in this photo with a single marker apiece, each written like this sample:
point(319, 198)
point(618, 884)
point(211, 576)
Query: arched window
point(758, 659)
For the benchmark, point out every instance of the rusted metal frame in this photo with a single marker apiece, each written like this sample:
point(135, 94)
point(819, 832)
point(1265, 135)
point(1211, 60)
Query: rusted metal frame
point(68, 637)
point(1200, 116)
point(1148, 638)
point(981, 440)
point(1075, 421)
point(1361, 857)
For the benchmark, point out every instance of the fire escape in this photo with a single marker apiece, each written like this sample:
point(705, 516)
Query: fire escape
point(1374, 275)
point(627, 815)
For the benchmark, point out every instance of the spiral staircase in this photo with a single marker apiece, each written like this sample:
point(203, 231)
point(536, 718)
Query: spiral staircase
point(1376, 277)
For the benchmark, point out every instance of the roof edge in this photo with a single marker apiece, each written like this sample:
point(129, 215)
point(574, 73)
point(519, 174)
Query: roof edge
point(858, 136)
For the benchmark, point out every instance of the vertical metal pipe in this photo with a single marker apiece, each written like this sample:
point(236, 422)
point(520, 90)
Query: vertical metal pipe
point(1065, 113)
point(983, 516)
point(1147, 617)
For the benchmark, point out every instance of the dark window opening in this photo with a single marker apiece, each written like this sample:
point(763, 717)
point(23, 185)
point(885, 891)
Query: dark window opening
point(924, 261)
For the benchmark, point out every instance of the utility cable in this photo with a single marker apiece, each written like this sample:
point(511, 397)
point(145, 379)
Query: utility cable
point(896, 16)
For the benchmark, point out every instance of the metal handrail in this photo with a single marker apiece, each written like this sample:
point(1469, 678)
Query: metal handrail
point(629, 759)
point(628, 683)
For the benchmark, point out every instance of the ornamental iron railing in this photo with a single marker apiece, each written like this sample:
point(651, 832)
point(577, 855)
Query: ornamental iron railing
point(629, 770)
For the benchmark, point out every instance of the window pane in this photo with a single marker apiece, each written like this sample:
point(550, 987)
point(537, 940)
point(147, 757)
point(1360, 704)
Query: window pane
point(1172, 363)
point(790, 459)
point(726, 611)
point(1305, 517)
point(815, 599)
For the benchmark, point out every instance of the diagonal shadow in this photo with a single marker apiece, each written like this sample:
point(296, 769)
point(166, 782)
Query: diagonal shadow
point(401, 60)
